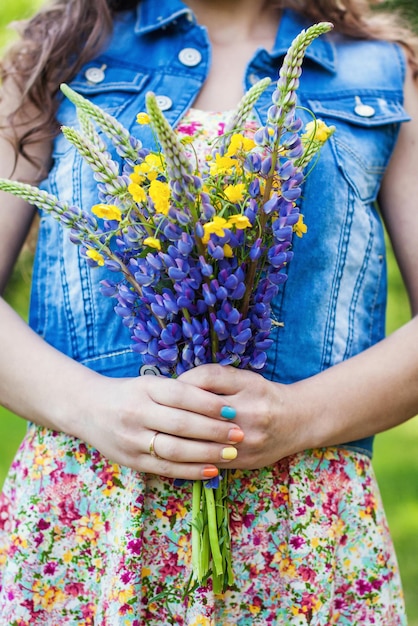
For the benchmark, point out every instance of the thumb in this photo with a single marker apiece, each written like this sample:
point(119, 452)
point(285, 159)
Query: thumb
point(219, 379)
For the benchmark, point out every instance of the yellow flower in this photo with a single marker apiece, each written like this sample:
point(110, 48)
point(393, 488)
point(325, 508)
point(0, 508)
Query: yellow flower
point(67, 556)
point(300, 228)
point(89, 528)
point(95, 256)
point(317, 130)
point(107, 211)
point(239, 143)
point(43, 463)
point(184, 550)
point(186, 140)
point(126, 594)
point(46, 596)
point(222, 165)
point(287, 568)
point(160, 194)
point(142, 118)
point(80, 457)
point(137, 175)
point(216, 226)
point(152, 242)
point(235, 193)
point(228, 252)
point(109, 489)
point(201, 620)
point(239, 221)
point(254, 609)
point(19, 541)
point(151, 167)
point(137, 192)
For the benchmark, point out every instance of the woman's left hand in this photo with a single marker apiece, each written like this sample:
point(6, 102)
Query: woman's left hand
point(263, 411)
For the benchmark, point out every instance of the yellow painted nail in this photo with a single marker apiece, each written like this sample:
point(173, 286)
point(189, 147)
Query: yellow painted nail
point(229, 453)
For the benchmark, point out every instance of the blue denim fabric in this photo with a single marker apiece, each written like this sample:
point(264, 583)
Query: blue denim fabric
point(333, 305)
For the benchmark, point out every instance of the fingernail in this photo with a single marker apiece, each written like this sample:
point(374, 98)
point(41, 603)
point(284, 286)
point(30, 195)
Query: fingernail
point(228, 412)
point(210, 472)
point(229, 453)
point(235, 435)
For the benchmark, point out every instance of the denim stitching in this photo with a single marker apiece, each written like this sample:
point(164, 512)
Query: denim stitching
point(336, 282)
point(356, 293)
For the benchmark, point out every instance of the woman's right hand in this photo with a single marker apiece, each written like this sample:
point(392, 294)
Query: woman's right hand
point(192, 437)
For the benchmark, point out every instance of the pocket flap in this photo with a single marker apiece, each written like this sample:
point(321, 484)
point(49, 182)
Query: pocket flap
point(96, 78)
point(365, 110)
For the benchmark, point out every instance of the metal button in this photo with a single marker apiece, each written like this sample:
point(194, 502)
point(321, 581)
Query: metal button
point(190, 57)
point(149, 370)
point(164, 102)
point(363, 110)
point(95, 74)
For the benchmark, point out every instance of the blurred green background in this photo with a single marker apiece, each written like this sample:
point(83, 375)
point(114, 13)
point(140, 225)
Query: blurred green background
point(396, 452)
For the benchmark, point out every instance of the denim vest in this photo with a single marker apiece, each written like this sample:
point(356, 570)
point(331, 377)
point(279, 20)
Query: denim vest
point(333, 304)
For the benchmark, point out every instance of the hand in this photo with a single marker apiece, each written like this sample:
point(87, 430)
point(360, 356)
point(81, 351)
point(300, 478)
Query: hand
point(192, 435)
point(264, 410)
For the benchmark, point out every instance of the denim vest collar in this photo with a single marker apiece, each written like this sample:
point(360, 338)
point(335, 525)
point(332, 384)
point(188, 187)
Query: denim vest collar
point(152, 16)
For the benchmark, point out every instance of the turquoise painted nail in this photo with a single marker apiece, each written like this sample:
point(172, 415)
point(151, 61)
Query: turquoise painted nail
point(228, 412)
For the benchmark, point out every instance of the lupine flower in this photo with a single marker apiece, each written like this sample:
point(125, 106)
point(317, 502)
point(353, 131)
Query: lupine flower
point(199, 255)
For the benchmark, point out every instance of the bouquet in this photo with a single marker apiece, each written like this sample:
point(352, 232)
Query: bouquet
point(198, 254)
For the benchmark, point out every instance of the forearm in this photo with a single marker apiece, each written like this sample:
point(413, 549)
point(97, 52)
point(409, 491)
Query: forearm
point(39, 383)
point(118, 416)
point(364, 395)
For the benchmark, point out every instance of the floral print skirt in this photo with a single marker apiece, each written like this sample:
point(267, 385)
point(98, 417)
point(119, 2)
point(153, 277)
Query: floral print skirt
point(86, 542)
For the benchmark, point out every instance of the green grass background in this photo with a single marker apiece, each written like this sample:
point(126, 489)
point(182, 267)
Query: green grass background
point(396, 452)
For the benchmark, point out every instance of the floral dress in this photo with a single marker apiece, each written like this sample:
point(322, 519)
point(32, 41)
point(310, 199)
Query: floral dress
point(86, 542)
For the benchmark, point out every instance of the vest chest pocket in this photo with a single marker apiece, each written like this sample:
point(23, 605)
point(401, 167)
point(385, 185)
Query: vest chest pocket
point(367, 126)
point(113, 89)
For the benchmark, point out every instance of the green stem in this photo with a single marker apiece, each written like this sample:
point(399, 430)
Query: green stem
point(249, 287)
point(214, 340)
point(205, 551)
point(196, 530)
point(131, 280)
point(213, 532)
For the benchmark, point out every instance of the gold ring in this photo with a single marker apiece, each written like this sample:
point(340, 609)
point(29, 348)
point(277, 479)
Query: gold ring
point(152, 446)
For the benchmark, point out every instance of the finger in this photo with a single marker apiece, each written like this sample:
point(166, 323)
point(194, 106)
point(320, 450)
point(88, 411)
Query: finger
point(190, 425)
point(222, 380)
point(190, 397)
point(184, 471)
point(168, 448)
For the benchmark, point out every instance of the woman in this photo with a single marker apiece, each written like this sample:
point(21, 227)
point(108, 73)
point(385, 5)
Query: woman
point(93, 528)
